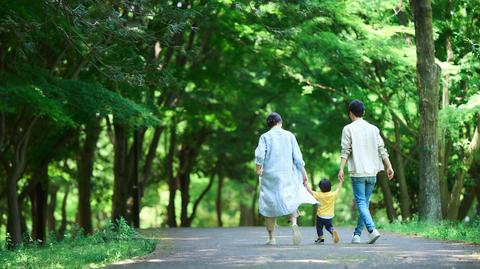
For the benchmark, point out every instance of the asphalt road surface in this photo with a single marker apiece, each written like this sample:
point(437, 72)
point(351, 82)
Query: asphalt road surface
point(245, 248)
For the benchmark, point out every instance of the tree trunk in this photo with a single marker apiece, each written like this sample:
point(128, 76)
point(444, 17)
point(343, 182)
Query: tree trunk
point(387, 196)
point(184, 159)
point(467, 202)
point(400, 171)
point(39, 198)
point(218, 200)
point(152, 151)
point(201, 196)
point(478, 201)
point(428, 74)
point(85, 164)
point(13, 212)
point(63, 223)
point(120, 185)
point(172, 182)
point(454, 204)
point(135, 187)
point(443, 154)
point(254, 202)
point(403, 19)
point(51, 222)
point(14, 228)
point(247, 211)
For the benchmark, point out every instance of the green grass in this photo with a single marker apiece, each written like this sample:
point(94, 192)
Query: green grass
point(104, 247)
point(461, 231)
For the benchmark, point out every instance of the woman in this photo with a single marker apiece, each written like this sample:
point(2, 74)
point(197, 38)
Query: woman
point(280, 166)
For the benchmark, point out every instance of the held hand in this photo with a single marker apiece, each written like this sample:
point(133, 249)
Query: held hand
point(390, 173)
point(259, 171)
point(340, 175)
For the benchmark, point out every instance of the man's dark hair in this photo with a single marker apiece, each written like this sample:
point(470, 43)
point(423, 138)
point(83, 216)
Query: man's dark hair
point(325, 185)
point(357, 108)
point(273, 119)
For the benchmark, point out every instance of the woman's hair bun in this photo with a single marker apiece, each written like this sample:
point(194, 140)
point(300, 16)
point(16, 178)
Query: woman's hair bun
point(273, 119)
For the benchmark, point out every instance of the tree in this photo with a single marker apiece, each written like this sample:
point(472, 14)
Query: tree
point(428, 75)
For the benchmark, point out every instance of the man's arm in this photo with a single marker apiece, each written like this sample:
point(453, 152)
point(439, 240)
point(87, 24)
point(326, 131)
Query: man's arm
point(389, 169)
point(342, 167)
point(382, 151)
point(346, 151)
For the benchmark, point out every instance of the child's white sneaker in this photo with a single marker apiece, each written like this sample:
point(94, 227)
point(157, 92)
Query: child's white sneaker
point(356, 239)
point(271, 242)
point(373, 236)
point(297, 236)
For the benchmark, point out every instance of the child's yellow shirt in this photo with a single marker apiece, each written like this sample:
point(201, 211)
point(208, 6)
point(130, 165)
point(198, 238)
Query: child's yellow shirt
point(326, 208)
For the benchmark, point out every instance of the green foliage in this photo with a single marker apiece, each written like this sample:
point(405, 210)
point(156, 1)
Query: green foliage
point(113, 243)
point(214, 70)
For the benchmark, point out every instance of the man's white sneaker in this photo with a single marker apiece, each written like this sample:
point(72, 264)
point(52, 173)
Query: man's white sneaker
point(373, 236)
point(356, 239)
point(271, 242)
point(297, 236)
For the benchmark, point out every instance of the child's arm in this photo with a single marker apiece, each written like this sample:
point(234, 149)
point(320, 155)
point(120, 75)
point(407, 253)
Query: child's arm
point(340, 184)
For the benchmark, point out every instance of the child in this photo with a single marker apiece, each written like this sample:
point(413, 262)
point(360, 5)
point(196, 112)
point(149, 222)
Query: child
point(325, 211)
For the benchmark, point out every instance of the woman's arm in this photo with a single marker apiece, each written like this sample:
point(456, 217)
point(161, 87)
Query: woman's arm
point(308, 188)
point(260, 153)
point(298, 159)
point(258, 170)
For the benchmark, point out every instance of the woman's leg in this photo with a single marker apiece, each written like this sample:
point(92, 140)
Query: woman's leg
point(270, 224)
point(293, 217)
point(296, 231)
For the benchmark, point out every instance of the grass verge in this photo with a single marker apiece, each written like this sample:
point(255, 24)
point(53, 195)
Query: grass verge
point(112, 244)
point(461, 231)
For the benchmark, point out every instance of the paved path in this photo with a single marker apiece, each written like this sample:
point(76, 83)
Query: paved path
point(244, 248)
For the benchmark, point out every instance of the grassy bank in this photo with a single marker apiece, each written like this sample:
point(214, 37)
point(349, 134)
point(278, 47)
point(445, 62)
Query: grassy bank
point(104, 247)
point(462, 231)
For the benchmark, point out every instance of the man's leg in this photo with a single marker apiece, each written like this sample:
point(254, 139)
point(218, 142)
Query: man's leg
point(369, 186)
point(359, 191)
point(360, 226)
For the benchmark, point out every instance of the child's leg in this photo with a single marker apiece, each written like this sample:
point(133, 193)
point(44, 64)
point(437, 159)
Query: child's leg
point(331, 230)
point(319, 228)
point(329, 226)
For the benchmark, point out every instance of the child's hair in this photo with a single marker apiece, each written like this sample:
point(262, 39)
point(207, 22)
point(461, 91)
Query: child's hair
point(325, 185)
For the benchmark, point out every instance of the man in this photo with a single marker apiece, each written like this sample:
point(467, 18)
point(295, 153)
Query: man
point(364, 150)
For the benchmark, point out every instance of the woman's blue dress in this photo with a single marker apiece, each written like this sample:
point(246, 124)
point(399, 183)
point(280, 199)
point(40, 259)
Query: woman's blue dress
point(281, 184)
